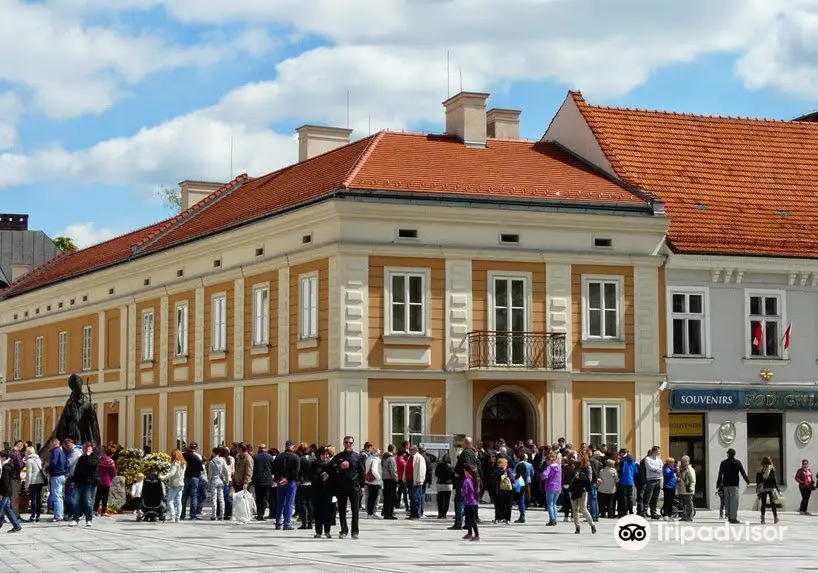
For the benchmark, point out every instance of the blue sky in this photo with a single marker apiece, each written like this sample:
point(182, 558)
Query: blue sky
point(116, 98)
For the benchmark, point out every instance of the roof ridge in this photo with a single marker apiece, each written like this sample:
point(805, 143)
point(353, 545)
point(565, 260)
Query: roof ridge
point(173, 222)
point(362, 159)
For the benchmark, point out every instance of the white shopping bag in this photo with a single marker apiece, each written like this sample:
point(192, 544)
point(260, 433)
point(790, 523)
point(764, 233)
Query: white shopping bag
point(244, 507)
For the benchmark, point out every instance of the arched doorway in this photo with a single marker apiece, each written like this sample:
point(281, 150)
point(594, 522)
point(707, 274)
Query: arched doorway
point(505, 416)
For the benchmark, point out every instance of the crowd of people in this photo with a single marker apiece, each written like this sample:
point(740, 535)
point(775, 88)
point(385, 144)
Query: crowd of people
point(317, 485)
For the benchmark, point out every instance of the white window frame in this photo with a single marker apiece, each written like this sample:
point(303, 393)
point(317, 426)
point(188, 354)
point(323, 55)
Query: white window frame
point(309, 310)
point(38, 431)
point(782, 313)
point(39, 342)
point(261, 315)
point(181, 342)
point(16, 429)
point(218, 311)
point(148, 333)
point(527, 279)
point(405, 401)
point(146, 416)
point(426, 302)
point(619, 281)
point(603, 403)
point(180, 423)
point(18, 359)
point(62, 352)
point(87, 341)
point(688, 290)
point(218, 435)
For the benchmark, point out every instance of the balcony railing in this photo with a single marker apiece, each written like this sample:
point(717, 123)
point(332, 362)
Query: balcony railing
point(525, 350)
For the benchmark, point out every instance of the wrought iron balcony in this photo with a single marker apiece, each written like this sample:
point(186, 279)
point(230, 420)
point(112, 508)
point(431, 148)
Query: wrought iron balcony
point(524, 350)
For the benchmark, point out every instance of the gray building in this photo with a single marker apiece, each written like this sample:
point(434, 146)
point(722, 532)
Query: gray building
point(21, 250)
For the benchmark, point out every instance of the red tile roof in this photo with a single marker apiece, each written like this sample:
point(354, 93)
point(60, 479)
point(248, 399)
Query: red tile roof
point(396, 163)
point(730, 185)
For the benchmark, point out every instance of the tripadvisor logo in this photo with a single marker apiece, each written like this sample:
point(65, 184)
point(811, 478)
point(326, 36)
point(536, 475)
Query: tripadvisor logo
point(633, 533)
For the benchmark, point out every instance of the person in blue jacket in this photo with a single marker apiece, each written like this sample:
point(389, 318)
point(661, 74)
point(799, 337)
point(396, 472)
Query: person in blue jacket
point(669, 479)
point(628, 469)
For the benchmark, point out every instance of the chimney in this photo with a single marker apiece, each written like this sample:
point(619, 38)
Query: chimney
point(466, 117)
point(194, 191)
point(317, 139)
point(10, 222)
point(503, 123)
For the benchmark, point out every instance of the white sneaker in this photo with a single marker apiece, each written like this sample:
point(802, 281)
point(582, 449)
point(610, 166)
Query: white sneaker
point(73, 524)
point(87, 524)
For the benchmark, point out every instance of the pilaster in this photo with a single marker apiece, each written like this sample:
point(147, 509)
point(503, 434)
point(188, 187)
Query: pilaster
point(162, 438)
point(131, 349)
point(458, 314)
point(459, 410)
point(198, 336)
point(559, 401)
point(238, 329)
point(647, 423)
point(131, 411)
point(353, 316)
point(353, 412)
point(238, 414)
point(198, 419)
point(283, 413)
point(558, 306)
point(284, 322)
point(646, 318)
point(102, 335)
point(163, 346)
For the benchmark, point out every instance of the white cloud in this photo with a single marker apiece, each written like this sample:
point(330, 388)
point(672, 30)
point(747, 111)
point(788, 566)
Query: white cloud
point(10, 109)
point(87, 234)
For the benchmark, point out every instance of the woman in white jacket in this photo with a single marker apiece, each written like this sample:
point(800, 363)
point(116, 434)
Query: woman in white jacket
point(35, 480)
point(374, 483)
point(176, 483)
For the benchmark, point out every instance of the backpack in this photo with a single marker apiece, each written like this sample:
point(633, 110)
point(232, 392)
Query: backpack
point(505, 482)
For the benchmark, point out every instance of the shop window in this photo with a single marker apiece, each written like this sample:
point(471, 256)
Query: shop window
point(765, 433)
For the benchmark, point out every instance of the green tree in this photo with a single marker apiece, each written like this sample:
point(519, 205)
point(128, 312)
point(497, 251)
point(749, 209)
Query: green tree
point(65, 244)
point(171, 198)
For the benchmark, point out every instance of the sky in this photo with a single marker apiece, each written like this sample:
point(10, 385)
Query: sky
point(104, 102)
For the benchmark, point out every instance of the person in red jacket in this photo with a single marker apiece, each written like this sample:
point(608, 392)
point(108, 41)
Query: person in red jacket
point(107, 473)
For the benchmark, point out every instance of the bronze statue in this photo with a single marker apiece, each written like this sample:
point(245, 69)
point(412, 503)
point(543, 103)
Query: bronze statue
point(79, 419)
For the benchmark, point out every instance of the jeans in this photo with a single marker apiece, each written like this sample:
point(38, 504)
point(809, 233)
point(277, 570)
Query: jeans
point(304, 496)
point(101, 499)
point(389, 488)
point(580, 507)
point(416, 501)
point(175, 502)
point(805, 493)
point(284, 503)
point(202, 496)
point(443, 500)
point(731, 502)
point(458, 508)
point(264, 500)
point(191, 492)
point(35, 493)
point(521, 504)
point(372, 494)
point(551, 501)
point(650, 496)
point(353, 497)
point(471, 520)
point(5, 511)
point(217, 499)
point(593, 501)
point(228, 502)
point(84, 501)
point(57, 486)
point(625, 500)
point(422, 504)
point(70, 499)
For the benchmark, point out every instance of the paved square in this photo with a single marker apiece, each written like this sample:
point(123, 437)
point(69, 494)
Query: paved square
point(120, 544)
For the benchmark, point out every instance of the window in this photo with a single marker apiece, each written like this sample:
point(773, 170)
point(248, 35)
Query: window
point(765, 432)
point(309, 307)
point(602, 309)
point(601, 243)
point(509, 239)
point(147, 336)
point(16, 430)
point(219, 343)
point(147, 429)
point(38, 356)
point(603, 424)
point(62, 352)
point(765, 312)
point(407, 313)
point(18, 357)
point(261, 316)
point(86, 347)
point(510, 319)
point(38, 432)
point(219, 417)
point(407, 233)
point(406, 420)
point(687, 317)
point(181, 329)
point(180, 427)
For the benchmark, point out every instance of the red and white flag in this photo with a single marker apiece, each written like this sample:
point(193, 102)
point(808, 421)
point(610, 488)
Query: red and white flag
point(787, 337)
point(758, 337)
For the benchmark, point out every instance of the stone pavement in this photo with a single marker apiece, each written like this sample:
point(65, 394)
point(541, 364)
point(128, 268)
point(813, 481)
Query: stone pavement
point(120, 544)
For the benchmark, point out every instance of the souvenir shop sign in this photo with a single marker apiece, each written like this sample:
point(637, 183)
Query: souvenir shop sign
point(717, 399)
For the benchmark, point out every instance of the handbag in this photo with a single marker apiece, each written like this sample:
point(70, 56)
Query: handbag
point(370, 476)
point(519, 484)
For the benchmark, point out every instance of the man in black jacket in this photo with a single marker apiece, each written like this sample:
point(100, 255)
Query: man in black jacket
point(466, 459)
point(349, 480)
point(263, 481)
point(5, 492)
point(194, 467)
point(287, 472)
point(86, 478)
point(304, 495)
point(729, 471)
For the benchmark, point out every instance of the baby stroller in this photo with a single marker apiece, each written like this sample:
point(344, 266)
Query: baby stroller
point(153, 500)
